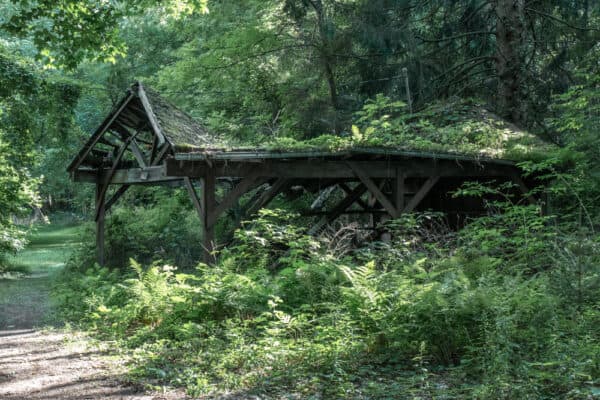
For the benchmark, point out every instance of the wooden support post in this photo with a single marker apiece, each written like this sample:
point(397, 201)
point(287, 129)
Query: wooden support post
point(208, 206)
point(399, 189)
point(100, 212)
point(112, 171)
point(200, 206)
point(524, 189)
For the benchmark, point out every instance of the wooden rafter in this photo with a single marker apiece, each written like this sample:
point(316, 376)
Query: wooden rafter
point(151, 117)
point(98, 134)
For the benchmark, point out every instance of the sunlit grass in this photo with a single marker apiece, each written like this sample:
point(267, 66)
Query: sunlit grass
point(48, 250)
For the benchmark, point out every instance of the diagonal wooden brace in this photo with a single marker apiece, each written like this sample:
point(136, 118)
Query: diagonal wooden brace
point(420, 195)
point(339, 209)
point(374, 189)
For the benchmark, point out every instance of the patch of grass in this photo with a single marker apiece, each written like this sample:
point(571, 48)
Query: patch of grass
point(49, 248)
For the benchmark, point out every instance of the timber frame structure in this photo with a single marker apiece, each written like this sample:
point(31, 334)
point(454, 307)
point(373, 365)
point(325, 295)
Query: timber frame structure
point(147, 141)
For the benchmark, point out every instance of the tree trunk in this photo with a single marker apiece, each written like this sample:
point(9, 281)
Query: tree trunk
point(509, 40)
point(326, 58)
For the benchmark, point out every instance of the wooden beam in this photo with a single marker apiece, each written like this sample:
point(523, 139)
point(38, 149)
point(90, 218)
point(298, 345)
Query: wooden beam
point(100, 207)
point(98, 134)
point(121, 129)
point(131, 176)
point(154, 149)
point(420, 195)
point(208, 206)
point(194, 196)
point(115, 197)
point(267, 196)
point(247, 184)
point(111, 172)
point(516, 178)
point(161, 154)
point(339, 209)
point(315, 169)
point(348, 191)
point(399, 189)
point(374, 189)
point(137, 153)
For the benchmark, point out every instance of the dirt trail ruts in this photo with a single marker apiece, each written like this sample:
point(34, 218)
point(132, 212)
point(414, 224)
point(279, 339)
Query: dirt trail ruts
point(52, 363)
point(47, 365)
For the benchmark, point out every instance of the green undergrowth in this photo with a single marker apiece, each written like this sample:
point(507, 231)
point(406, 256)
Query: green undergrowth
point(507, 308)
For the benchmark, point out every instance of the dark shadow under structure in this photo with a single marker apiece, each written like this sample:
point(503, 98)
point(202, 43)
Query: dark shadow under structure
point(145, 140)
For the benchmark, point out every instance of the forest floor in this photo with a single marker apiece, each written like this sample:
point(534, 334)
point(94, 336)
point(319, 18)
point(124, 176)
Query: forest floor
point(38, 358)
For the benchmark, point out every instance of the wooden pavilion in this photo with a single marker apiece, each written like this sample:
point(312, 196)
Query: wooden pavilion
point(145, 140)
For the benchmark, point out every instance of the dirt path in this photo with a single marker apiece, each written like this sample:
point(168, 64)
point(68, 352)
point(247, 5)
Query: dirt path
point(51, 363)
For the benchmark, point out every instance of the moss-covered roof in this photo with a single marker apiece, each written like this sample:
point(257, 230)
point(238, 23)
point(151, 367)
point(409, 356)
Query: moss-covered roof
point(178, 127)
point(456, 128)
point(452, 128)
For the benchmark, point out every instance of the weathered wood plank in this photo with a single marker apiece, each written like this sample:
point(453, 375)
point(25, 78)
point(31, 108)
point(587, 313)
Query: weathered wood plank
point(151, 116)
point(132, 176)
point(303, 169)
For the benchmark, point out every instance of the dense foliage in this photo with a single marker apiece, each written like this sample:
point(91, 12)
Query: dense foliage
point(506, 308)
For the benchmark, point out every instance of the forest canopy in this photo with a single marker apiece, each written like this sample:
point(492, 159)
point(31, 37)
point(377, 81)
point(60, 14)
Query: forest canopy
point(498, 305)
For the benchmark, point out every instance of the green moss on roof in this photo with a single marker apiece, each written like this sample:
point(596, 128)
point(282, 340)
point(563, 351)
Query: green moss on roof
point(179, 128)
point(452, 127)
point(457, 126)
